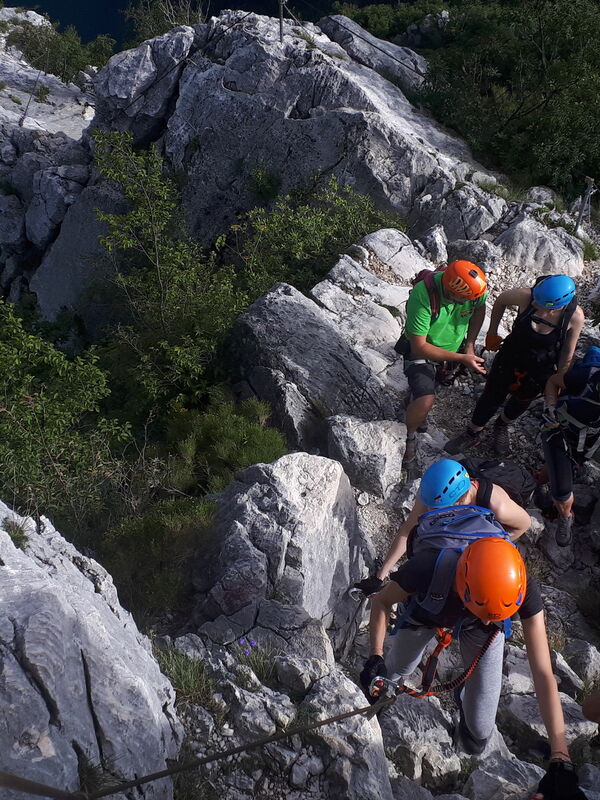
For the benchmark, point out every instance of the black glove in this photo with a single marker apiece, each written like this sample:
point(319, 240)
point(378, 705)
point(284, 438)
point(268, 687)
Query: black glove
point(374, 666)
point(561, 782)
point(369, 586)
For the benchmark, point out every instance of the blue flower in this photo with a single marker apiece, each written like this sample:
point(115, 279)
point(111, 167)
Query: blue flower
point(252, 643)
point(246, 652)
point(241, 641)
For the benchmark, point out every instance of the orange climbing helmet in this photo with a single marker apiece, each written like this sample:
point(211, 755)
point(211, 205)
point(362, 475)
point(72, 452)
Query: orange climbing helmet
point(465, 279)
point(491, 578)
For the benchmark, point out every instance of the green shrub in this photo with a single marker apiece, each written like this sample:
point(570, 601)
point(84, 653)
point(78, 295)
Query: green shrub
point(2, 84)
point(149, 555)
point(386, 21)
point(42, 94)
point(62, 54)
point(265, 183)
point(55, 452)
point(590, 251)
point(16, 532)
point(150, 18)
point(301, 237)
point(180, 303)
point(16, 100)
point(208, 448)
point(259, 658)
point(190, 677)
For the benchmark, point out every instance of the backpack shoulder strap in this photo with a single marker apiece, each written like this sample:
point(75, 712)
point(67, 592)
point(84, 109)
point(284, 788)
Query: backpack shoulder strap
point(566, 319)
point(432, 291)
point(484, 492)
point(441, 581)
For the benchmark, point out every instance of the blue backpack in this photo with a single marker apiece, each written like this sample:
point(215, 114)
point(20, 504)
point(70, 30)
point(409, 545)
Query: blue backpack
point(448, 530)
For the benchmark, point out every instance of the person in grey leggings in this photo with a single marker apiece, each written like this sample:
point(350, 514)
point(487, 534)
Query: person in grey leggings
point(480, 693)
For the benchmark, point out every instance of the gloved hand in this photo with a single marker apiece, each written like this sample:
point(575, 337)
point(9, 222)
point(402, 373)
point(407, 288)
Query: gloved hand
point(374, 666)
point(369, 586)
point(559, 783)
point(549, 420)
point(493, 342)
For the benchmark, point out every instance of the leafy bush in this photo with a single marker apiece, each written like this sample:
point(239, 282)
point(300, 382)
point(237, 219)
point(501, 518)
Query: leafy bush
point(265, 183)
point(54, 447)
point(150, 18)
point(62, 54)
point(180, 303)
point(16, 532)
point(590, 251)
point(208, 448)
point(149, 555)
point(2, 85)
point(42, 94)
point(301, 237)
point(16, 100)
point(386, 21)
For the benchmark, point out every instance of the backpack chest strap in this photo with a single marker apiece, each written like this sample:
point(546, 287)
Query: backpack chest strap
point(584, 431)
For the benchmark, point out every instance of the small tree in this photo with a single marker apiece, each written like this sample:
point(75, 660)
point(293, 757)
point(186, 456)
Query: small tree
point(180, 302)
point(150, 18)
point(55, 453)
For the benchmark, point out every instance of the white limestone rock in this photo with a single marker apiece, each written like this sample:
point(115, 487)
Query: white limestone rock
point(464, 213)
point(287, 332)
point(404, 66)
point(584, 659)
point(520, 716)
point(78, 677)
point(394, 249)
point(481, 252)
point(286, 530)
point(530, 245)
point(501, 778)
point(435, 242)
point(370, 452)
point(54, 190)
point(12, 221)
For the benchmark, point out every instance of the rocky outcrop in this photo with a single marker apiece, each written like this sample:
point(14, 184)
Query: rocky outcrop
point(530, 245)
point(79, 679)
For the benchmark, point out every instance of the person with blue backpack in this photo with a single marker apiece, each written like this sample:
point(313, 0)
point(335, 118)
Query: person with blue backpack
point(539, 348)
point(571, 434)
point(465, 574)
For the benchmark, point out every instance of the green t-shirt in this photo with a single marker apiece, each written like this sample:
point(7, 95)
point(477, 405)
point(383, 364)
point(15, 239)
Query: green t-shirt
point(450, 328)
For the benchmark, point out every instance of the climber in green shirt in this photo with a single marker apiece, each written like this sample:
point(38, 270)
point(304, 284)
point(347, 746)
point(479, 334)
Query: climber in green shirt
point(444, 310)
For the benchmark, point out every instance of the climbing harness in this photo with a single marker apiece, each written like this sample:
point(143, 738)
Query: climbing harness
point(381, 687)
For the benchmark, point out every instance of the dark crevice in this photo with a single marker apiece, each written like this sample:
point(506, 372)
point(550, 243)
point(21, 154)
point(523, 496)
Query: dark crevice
point(96, 722)
point(32, 674)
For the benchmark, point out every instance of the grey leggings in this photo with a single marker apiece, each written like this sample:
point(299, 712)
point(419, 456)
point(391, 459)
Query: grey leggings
point(481, 691)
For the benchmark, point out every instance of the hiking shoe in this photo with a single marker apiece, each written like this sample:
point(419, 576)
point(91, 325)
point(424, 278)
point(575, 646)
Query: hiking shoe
point(423, 428)
point(463, 737)
point(463, 442)
point(563, 530)
point(410, 452)
point(501, 438)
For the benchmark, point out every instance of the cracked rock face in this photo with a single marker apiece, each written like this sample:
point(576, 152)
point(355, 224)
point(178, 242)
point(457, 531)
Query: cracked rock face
point(78, 679)
point(243, 101)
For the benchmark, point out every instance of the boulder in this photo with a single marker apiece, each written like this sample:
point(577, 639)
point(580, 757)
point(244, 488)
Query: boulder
point(395, 250)
point(542, 195)
point(370, 452)
point(539, 250)
point(137, 88)
point(501, 778)
point(584, 660)
point(464, 213)
point(54, 190)
point(568, 681)
point(481, 252)
point(79, 679)
point(399, 64)
point(519, 716)
point(12, 221)
point(284, 331)
point(288, 532)
point(417, 736)
point(435, 242)
point(359, 280)
point(75, 265)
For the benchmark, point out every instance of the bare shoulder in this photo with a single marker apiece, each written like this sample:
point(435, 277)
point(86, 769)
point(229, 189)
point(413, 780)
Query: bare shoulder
point(578, 318)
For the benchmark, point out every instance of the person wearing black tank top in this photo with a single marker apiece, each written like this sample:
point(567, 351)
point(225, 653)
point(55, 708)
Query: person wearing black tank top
point(539, 348)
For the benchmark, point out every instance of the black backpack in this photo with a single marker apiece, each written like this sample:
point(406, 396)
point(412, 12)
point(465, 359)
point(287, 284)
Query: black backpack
point(516, 482)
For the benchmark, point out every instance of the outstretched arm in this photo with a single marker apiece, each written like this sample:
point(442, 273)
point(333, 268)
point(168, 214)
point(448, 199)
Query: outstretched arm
point(538, 653)
point(568, 349)
point(511, 297)
point(398, 546)
point(381, 607)
point(474, 327)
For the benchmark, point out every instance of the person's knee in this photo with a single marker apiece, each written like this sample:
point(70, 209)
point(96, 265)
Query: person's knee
point(423, 404)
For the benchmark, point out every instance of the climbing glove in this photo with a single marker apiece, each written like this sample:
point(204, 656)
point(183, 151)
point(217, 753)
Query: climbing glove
point(560, 783)
point(374, 666)
point(493, 342)
point(369, 586)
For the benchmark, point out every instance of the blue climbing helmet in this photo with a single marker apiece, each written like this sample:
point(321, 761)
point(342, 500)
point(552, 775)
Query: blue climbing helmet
point(443, 483)
point(591, 357)
point(555, 291)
